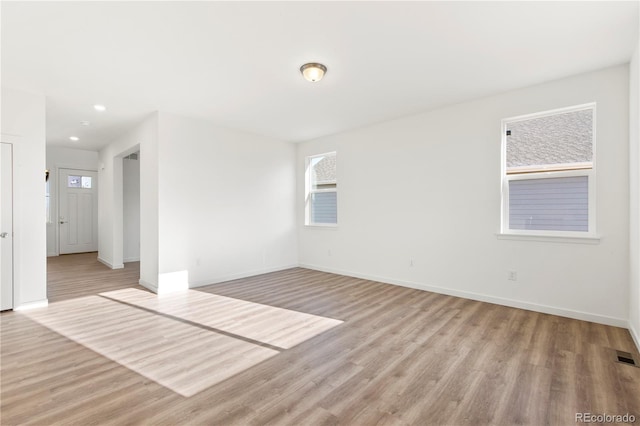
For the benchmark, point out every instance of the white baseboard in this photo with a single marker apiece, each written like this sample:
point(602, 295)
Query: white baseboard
point(32, 305)
point(131, 259)
point(221, 279)
point(635, 335)
point(553, 310)
point(224, 278)
point(53, 254)
point(148, 285)
point(108, 264)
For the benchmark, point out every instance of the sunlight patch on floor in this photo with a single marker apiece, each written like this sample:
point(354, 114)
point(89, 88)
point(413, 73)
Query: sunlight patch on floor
point(186, 341)
point(279, 327)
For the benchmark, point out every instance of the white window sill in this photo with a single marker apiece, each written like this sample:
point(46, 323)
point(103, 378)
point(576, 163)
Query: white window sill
point(333, 226)
point(549, 238)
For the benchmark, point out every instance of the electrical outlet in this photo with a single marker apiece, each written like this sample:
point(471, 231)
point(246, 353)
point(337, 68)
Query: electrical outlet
point(411, 262)
point(512, 276)
point(329, 252)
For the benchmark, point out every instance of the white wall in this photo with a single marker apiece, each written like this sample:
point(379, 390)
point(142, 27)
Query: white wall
point(131, 210)
point(58, 158)
point(226, 203)
point(143, 137)
point(23, 125)
point(634, 192)
point(427, 188)
point(215, 204)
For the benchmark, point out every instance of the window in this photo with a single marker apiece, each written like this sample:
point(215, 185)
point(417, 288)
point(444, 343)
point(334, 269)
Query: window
point(73, 181)
point(321, 190)
point(548, 179)
point(79, 182)
point(86, 182)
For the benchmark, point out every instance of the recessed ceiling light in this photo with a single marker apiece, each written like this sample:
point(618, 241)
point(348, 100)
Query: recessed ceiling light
point(85, 123)
point(99, 107)
point(74, 138)
point(313, 71)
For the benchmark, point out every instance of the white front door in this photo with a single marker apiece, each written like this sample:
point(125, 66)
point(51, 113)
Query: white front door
point(78, 210)
point(6, 226)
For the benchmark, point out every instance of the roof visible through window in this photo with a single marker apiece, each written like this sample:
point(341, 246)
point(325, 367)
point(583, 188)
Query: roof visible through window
point(563, 138)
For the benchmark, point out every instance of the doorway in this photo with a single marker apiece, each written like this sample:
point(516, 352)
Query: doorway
point(131, 208)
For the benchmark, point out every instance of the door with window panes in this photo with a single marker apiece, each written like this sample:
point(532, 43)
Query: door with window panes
point(78, 211)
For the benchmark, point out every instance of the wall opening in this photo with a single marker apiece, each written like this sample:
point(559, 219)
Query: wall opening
point(131, 207)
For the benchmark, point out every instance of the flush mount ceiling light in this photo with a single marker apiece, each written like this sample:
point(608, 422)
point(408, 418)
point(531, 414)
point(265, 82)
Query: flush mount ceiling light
point(74, 138)
point(85, 123)
point(100, 108)
point(313, 71)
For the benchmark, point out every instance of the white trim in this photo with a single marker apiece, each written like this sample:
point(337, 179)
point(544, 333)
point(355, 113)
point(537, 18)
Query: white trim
point(551, 174)
point(581, 107)
point(13, 196)
point(308, 191)
point(58, 167)
point(553, 310)
point(231, 277)
point(109, 264)
point(148, 285)
point(223, 278)
point(322, 225)
point(131, 259)
point(549, 168)
point(32, 305)
point(10, 138)
point(505, 177)
point(634, 335)
point(547, 238)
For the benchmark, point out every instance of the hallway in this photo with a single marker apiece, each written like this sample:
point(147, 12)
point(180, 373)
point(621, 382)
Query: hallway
point(77, 275)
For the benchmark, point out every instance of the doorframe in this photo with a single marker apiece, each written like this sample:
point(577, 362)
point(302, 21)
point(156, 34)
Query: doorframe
point(55, 219)
point(20, 199)
point(118, 207)
point(13, 225)
point(124, 222)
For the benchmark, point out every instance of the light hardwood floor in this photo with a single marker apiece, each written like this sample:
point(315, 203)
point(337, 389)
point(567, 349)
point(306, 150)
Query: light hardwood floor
point(298, 347)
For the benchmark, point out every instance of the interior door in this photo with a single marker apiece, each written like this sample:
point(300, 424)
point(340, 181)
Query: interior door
point(6, 226)
point(78, 211)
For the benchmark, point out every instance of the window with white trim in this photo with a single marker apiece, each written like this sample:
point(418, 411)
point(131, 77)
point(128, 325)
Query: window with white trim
point(321, 190)
point(548, 173)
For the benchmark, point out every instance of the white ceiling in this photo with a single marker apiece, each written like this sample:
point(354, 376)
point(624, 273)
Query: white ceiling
point(237, 63)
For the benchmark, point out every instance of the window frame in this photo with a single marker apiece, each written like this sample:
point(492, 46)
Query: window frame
point(309, 191)
point(590, 173)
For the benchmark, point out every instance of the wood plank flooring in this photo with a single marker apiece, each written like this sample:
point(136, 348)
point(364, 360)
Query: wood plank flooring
point(298, 347)
point(78, 275)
